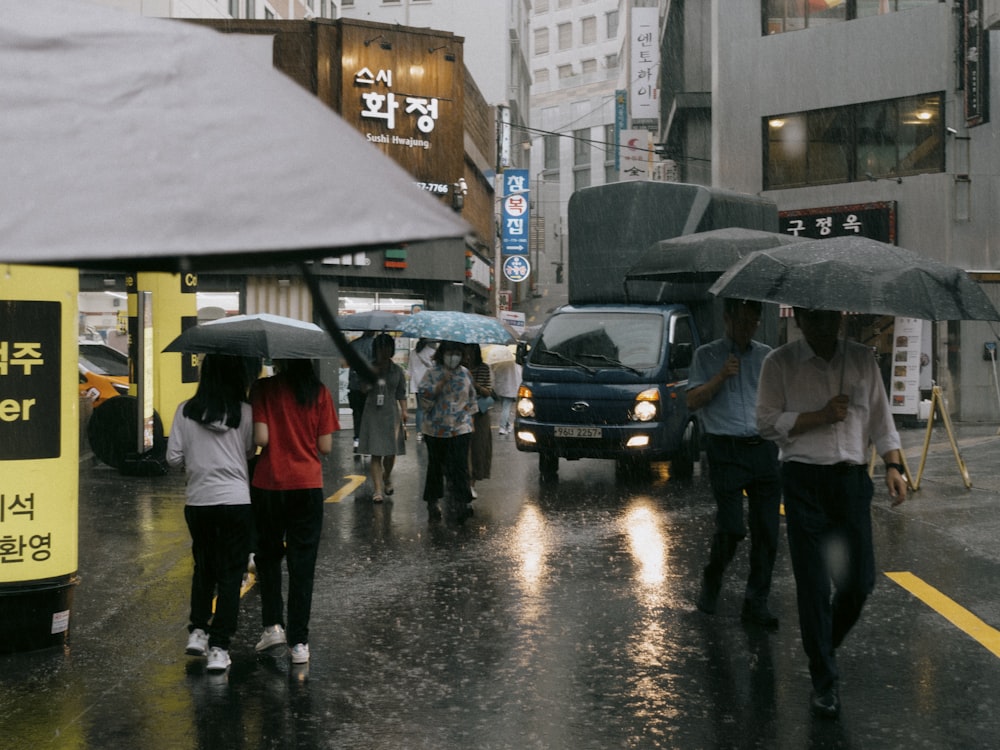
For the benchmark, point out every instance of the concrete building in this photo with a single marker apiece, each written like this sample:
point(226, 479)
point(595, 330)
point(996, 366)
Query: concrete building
point(576, 67)
point(873, 109)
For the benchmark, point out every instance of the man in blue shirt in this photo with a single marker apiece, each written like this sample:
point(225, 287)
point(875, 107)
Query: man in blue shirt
point(722, 389)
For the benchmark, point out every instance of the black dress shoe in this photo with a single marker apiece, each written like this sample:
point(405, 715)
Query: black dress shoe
point(757, 613)
point(708, 597)
point(826, 704)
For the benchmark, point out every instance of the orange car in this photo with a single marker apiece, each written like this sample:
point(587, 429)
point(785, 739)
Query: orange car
point(103, 372)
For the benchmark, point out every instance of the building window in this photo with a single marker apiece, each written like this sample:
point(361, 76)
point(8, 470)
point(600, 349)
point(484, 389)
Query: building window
point(610, 172)
point(611, 61)
point(541, 6)
point(565, 3)
point(346, 3)
point(588, 66)
point(542, 75)
point(612, 21)
point(565, 71)
point(588, 30)
point(884, 139)
point(581, 147)
point(552, 151)
point(565, 31)
point(542, 41)
point(791, 15)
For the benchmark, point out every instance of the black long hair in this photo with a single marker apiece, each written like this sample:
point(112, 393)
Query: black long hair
point(301, 376)
point(222, 390)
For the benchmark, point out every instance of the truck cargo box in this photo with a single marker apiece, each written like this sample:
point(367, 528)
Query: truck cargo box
point(611, 226)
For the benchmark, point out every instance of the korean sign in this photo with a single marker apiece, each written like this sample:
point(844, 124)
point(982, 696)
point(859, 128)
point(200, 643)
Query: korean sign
point(874, 220)
point(514, 213)
point(645, 63)
point(39, 428)
point(30, 355)
point(404, 92)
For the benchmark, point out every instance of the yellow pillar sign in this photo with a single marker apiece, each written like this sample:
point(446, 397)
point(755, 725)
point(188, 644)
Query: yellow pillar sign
point(39, 454)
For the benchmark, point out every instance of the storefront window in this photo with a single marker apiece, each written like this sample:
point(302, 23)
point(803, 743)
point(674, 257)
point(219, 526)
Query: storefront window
point(885, 139)
point(780, 16)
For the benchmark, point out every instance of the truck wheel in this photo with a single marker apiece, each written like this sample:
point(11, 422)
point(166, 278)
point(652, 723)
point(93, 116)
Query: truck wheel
point(682, 465)
point(548, 466)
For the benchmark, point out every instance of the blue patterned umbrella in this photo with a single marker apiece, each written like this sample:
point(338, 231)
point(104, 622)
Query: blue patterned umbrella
point(451, 325)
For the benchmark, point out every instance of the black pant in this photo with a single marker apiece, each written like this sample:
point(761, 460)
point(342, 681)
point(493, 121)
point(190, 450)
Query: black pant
point(736, 465)
point(448, 457)
point(220, 544)
point(289, 524)
point(828, 510)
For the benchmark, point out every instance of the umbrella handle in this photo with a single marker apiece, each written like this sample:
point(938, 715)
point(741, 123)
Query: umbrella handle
point(355, 360)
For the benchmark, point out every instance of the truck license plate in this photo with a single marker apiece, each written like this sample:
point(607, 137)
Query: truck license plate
point(578, 432)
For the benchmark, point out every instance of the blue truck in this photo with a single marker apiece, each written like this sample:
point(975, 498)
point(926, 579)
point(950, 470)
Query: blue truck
point(606, 375)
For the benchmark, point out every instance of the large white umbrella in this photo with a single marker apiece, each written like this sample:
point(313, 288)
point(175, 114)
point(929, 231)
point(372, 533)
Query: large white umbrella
point(154, 144)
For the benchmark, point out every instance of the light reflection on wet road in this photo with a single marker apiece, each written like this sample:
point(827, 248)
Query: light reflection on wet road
point(560, 616)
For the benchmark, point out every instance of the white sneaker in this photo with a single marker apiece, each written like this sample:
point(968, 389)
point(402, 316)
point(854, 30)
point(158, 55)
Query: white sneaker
point(502, 431)
point(197, 643)
point(300, 653)
point(472, 491)
point(273, 635)
point(218, 660)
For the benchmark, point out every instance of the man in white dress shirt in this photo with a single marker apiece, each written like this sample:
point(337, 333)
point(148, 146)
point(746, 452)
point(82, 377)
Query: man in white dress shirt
point(822, 400)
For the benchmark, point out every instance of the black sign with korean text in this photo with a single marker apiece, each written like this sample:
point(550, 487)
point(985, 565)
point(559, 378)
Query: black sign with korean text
point(189, 361)
point(974, 52)
point(30, 367)
point(876, 221)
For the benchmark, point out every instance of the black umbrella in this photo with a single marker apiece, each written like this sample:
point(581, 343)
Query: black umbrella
point(857, 274)
point(262, 335)
point(682, 268)
point(703, 256)
point(371, 320)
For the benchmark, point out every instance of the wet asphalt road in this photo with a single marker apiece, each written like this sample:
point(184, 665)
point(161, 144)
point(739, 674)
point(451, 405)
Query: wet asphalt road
point(557, 617)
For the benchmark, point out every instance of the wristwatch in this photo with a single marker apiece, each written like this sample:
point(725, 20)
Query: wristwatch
point(898, 467)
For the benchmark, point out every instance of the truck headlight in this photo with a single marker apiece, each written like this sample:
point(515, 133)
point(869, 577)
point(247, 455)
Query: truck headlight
point(646, 407)
point(525, 406)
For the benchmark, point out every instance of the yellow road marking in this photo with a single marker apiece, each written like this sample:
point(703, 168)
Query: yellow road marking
point(356, 480)
point(957, 615)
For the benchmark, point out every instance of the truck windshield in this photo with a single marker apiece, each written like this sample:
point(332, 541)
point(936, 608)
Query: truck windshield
point(628, 340)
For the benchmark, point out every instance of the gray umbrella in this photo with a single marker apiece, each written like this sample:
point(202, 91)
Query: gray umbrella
point(262, 335)
point(154, 144)
point(371, 320)
point(703, 256)
point(857, 274)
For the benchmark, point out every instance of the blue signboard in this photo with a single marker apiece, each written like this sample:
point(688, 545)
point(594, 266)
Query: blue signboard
point(514, 213)
point(621, 123)
point(516, 268)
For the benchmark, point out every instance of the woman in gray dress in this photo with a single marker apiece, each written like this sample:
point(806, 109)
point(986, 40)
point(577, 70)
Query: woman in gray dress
point(383, 423)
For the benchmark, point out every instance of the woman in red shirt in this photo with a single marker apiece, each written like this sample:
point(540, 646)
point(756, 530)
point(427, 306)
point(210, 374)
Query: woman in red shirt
point(294, 422)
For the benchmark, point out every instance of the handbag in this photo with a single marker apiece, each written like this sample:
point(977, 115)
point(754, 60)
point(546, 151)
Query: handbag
point(485, 402)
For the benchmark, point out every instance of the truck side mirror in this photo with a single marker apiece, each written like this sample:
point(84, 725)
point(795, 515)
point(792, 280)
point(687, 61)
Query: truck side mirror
point(522, 351)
